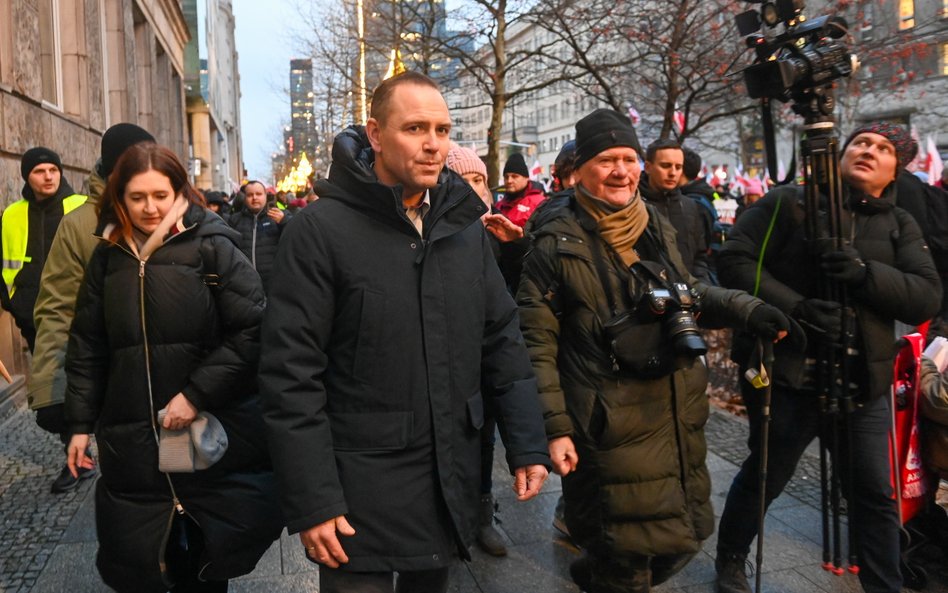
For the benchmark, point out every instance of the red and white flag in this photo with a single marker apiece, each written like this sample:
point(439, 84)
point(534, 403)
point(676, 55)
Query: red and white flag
point(680, 121)
point(536, 170)
point(934, 165)
point(634, 116)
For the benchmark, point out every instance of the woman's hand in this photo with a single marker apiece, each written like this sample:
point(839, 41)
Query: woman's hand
point(179, 413)
point(76, 457)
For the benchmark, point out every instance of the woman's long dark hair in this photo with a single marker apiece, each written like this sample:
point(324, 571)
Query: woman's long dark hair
point(142, 157)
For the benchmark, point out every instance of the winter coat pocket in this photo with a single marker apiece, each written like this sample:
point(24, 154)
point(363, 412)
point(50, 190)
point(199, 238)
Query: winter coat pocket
point(371, 431)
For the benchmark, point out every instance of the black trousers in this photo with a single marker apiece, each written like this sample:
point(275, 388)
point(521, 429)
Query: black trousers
point(630, 574)
point(421, 581)
point(794, 424)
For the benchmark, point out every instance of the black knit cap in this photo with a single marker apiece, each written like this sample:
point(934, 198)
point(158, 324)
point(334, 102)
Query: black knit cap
point(905, 146)
point(601, 130)
point(117, 140)
point(516, 164)
point(38, 156)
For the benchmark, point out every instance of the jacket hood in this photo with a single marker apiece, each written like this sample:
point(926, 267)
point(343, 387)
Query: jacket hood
point(95, 187)
point(653, 195)
point(64, 190)
point(353, 181)
point(698, 187)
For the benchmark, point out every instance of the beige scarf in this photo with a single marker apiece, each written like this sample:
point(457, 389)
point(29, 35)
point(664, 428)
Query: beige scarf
point(619, 228)
point(143, 246)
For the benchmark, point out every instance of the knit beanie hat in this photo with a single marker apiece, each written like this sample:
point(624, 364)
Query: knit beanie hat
point(516, 164)
point(199, 446)
point(754, 187)
point(603, 129)
point(905, 146)
point(38, 156)
point(116, 141)
point(464, 160)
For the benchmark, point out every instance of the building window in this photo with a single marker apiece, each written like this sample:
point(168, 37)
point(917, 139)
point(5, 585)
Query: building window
point(906, 14)
point(49, 50)
point(944, 58)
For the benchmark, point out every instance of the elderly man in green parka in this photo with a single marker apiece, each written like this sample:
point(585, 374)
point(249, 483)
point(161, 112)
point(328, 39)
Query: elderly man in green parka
point(629, 442)
point(56, 302)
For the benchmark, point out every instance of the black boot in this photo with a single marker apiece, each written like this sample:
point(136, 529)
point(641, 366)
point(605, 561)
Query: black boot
point(731, 569)
point(488, 538)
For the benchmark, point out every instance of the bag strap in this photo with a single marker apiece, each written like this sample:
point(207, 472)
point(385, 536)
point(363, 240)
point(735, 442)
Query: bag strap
point(210, 276)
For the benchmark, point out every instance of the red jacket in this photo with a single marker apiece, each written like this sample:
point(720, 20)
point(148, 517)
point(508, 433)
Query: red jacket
point(518, 210)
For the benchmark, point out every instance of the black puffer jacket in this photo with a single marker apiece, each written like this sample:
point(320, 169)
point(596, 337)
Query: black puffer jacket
point(159, 322)
point(901, 281)
point(259, 237)
point(381, 349)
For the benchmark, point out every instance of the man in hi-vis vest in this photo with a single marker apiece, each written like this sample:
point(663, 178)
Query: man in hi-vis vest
point(28, 226)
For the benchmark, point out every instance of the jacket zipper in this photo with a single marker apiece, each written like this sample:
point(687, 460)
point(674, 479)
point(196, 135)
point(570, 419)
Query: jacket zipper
point(253, 242)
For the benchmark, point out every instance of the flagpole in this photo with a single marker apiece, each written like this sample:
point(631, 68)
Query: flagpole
point(362, 94)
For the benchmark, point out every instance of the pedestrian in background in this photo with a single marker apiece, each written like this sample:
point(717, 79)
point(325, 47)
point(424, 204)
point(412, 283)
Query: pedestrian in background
point(161, 361)
point(260, 223)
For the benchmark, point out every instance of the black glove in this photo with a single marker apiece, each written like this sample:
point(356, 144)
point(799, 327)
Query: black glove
point(52, 419)
point(767, 321)
point(844, 265)
point(823, 318)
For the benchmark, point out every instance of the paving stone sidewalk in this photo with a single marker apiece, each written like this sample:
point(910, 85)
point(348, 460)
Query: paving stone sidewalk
point(49, 540)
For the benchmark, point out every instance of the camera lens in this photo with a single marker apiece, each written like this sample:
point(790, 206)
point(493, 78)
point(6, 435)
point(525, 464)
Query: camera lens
point(683, 331)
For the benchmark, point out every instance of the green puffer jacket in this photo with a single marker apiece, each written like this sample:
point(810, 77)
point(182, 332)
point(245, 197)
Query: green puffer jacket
point(56, 302)
point(641, 485)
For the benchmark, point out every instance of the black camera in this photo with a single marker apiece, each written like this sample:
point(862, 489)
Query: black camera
point(674, 306)
point(806, 56)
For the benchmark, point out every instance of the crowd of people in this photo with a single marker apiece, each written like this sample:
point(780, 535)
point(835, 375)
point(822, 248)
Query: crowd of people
point(339, 364)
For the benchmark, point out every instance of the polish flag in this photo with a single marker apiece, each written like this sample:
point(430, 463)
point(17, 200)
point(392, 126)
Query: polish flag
point(933, 162)
point(536, 170)
point(634, 116)
point(680, 121)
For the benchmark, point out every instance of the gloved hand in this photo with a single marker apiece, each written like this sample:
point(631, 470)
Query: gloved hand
point(823, 318)
point(844, 265)
point(52, 419)
point(767, 321)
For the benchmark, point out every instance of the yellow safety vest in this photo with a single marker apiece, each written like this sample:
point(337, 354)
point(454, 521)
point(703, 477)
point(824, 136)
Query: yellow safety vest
point(16, 225)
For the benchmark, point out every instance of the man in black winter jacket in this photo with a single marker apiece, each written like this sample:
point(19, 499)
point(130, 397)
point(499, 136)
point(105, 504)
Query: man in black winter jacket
point(388, 330)
point(663, 165)
point(889, 274)
point(260, 225)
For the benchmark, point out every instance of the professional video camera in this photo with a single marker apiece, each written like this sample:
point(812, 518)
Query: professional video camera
point(806, 56)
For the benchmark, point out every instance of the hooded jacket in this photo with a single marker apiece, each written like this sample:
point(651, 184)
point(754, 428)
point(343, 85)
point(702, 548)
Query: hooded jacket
point(56, 301)
point(641, 486)
point(383, 347)
point(145, 331)
point(901, 281)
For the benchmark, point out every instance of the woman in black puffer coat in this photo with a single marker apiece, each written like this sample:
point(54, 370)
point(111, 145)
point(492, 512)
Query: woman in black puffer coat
point(168, 317)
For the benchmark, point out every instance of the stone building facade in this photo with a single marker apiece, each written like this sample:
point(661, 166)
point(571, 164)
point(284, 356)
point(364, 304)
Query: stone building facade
point(71, 68)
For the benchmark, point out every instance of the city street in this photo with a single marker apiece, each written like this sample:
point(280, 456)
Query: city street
point(50, 540)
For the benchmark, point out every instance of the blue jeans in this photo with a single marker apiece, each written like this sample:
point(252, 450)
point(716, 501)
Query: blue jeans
point(794, 424)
